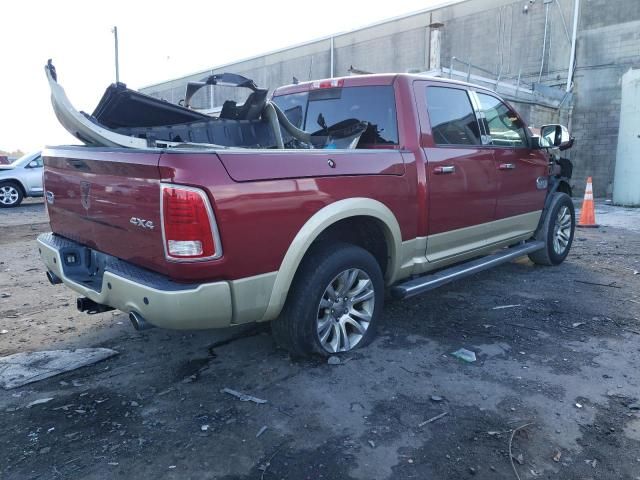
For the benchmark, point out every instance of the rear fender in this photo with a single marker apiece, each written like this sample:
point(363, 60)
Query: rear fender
point(319, 222)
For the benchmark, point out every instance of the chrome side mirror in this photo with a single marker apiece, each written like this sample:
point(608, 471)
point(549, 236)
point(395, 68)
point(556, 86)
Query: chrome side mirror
point(554, 136)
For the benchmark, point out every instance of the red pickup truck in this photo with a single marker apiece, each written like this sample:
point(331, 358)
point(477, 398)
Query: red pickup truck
point(404, 183)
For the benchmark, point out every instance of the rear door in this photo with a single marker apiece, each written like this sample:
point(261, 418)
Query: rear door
point(521, 171)
point(461, 175)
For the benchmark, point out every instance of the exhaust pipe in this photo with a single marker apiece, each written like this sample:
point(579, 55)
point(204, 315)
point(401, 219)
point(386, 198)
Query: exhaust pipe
point(138, 321)
point(85, 304)
point(53, 278)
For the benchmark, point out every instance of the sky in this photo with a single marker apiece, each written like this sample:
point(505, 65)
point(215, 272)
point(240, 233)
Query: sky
point(159, 40)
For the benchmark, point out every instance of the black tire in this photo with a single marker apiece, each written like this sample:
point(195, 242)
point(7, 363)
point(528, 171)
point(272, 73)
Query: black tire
point(14, 194)
point(296, 330)
point(549, 255)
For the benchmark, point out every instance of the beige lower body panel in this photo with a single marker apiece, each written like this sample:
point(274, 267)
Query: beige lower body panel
point(227, 303)
point(209, 305)
point(456, 246)
point(451, 244)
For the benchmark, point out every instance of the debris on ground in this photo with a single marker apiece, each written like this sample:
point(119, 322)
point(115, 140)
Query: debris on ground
point(40, 401)
point(204, 428)
point(611, 285)
point(502, 307)
point(265, 466)
point(634, 406)
point(578, 405)
point(577, 324)
point(333, 360)
point(465, 355)
point(242, 396)
point(557, 456)
point(372, 443)
point(261, 431)
point(520, 457)
point(27, 367)
point(433, 419)
point(436, 398)
point(4, 332)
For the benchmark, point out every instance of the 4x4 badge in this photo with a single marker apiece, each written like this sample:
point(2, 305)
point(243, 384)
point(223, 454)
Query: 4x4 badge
point(141, 222)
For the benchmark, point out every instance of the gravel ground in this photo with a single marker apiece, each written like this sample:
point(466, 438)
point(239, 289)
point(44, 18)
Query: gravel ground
point(562, 362)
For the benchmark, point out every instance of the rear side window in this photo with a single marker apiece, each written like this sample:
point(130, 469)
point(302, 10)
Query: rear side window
point(293, 106)
point(504, 126)
point(375, 105)
point(453, 121)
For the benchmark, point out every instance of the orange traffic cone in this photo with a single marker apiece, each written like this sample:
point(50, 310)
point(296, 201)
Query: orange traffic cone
point(588, 214)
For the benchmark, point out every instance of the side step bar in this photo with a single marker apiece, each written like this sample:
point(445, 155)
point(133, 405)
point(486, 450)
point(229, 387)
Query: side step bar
point(435, 280)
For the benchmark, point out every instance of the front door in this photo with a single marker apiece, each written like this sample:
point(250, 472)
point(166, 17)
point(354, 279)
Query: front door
point(461, 174)
point(521, 171)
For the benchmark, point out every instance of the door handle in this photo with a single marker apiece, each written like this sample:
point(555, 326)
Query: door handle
point(507, 166)
point(445, 169)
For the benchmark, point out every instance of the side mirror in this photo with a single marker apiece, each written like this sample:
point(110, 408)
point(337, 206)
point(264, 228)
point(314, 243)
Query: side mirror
point(33, 164)
point(554, 136)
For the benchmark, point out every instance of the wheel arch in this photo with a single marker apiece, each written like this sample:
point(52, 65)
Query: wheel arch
point(17, 182)
point(563, 186)
point(321, 222)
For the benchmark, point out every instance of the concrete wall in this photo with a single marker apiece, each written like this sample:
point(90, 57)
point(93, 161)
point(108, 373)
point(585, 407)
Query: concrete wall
point(495, 35)
point(608, 45)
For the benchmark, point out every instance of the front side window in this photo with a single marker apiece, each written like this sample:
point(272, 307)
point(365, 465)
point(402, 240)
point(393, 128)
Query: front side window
point(318, 110)
point(451, 115)
point(503, 125)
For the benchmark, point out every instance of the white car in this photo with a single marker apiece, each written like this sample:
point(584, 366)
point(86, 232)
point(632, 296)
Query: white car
point(20, 179)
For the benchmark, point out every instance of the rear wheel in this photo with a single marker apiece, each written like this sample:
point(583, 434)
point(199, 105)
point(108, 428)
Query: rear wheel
point(556, 231)
point(10, 195)
point(334, 303)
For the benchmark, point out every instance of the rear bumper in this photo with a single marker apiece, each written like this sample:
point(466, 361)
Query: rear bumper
point(121, 285)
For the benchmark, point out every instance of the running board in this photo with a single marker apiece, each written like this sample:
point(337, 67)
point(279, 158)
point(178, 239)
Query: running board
point(435, 280)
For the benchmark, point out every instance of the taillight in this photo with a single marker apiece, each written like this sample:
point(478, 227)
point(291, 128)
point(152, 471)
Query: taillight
point(188, 224)
point(333, 83)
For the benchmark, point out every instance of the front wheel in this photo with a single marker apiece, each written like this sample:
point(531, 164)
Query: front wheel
point(556, 231)
point(334, 303)
point(10, 195)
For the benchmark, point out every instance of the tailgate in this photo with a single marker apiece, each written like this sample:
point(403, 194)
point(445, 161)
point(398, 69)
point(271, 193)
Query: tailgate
point(107, 199)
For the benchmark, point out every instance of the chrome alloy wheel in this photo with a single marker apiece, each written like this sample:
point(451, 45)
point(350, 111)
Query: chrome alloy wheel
point(345, 311)
point(562, 231)
point(8, 195)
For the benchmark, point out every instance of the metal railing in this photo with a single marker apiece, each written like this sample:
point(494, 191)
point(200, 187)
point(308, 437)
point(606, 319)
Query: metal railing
point(515, 84)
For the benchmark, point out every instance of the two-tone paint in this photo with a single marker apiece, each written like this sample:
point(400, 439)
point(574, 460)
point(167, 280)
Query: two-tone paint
point(270, 205)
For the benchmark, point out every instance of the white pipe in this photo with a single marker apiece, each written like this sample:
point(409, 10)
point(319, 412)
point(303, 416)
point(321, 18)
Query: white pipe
point(572, 57)
point(331, 59)
point(434, 49)
point(544, 41)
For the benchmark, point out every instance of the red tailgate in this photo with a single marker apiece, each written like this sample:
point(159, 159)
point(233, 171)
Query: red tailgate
point(107, 199)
